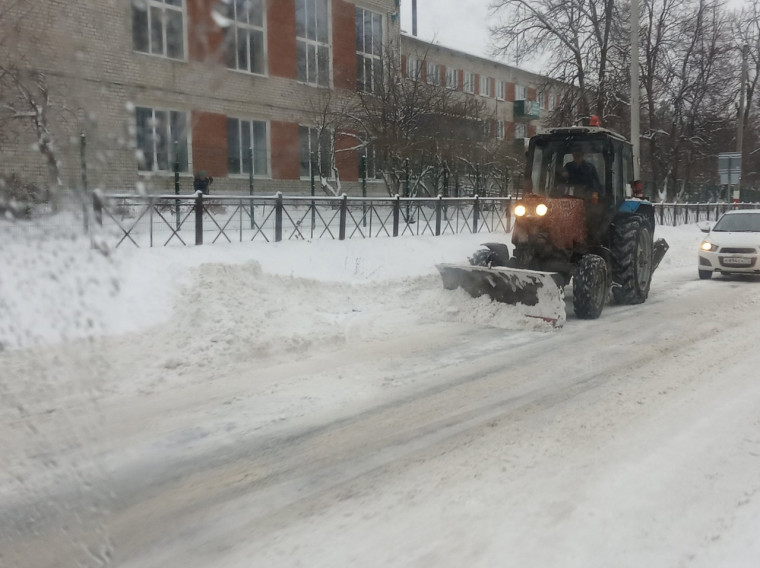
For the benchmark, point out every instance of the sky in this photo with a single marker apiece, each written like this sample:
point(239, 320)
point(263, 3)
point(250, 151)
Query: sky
point(452, 23)
point(464, 25)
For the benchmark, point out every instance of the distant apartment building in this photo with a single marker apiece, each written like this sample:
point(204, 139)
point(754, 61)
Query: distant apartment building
point(228, 88)
point(517, 102)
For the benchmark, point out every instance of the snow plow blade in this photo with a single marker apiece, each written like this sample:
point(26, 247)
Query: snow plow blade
point(537, 294)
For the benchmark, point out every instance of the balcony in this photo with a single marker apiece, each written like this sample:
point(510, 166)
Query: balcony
point(527, 109)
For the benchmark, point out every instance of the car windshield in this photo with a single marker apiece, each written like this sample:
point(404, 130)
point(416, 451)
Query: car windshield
point(739, 222)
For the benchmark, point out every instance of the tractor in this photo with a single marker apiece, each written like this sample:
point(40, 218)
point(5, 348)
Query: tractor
point(581, 219)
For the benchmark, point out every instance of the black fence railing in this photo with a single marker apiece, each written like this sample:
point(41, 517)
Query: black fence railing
point(163, 220)
point(183, 219)
point(684, 213)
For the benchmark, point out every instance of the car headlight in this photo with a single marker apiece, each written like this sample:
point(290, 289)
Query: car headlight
point(520, 211)
point(707, 246)
point(541, 209)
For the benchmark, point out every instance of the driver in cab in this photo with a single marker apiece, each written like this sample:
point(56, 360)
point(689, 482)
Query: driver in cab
point(582, 175)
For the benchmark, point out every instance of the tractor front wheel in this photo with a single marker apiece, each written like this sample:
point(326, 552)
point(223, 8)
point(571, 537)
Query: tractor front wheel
point(590, 287)
point(631, 260)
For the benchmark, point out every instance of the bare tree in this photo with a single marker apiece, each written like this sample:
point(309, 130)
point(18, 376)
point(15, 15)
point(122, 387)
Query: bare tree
point(580, 35)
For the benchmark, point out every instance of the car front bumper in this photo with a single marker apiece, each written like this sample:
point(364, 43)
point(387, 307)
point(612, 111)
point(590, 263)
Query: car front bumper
point(731, 263)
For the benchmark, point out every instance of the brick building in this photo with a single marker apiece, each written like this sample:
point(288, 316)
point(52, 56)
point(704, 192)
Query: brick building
point(220, 87)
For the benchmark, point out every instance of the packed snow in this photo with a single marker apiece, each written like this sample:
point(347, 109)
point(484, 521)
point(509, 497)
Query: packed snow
point(328, 403)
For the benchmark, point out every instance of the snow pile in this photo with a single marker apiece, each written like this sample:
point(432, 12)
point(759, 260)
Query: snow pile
point(53, 286)
point(246, 299)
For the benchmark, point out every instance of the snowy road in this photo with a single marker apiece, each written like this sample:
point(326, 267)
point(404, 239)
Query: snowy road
point(390, 429)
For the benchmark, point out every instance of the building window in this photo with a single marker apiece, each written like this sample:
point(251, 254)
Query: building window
point(433, 73)
point(486, 84)
point(374, 169)
point(413, 68)
point(452, 78)
point(541, 100)
point(500, 129)
point(521, 93)
point(552, 101)
point(318, 146)
point(161, 139)
point(313, 42)
point(369, 50)
point(501, 90)
point(244, 37)
point(243, 138)
point(158, 28)
point(469, 82)
point(521, 130)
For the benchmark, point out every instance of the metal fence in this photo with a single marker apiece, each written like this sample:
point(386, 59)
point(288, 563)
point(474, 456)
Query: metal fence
point(684, 213)
point(181, 220)
point(166, 220)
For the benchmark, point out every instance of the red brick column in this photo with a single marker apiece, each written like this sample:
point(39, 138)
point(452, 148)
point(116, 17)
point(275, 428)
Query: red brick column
point(281, 34)
point(210, 143)
point(285, 150)
point(344, 45)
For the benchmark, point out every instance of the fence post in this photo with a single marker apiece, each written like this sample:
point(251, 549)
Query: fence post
point(250, 191)
point(396, 214)
point(675, 214)
point(278, 217)
point(438, 210)
point(312, 167)
point(198, 217)
point(83, 164)
point(176, 182)
point(363, 173)
point(475, 214)
point(343, 209)
point(407, 180)
point(97, 207)
point(509, 214)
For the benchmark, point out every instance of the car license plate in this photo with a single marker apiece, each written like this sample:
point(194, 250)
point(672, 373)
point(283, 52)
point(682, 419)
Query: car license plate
point(737, 261)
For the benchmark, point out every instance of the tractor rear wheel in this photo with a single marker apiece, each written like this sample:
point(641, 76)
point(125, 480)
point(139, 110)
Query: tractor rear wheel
point(631, 260)
point(590, 287)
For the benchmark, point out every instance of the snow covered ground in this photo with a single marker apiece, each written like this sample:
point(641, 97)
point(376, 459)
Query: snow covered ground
point(328, 404)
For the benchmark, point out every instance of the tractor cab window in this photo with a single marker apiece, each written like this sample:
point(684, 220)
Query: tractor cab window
point(568, 167)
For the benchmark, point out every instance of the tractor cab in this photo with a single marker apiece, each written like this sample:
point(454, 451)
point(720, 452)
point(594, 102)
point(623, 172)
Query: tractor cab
point(591, 163)
point(588, 164)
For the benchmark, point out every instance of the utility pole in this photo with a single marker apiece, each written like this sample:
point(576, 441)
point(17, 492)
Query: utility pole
point(740, 121)
point(635, 138)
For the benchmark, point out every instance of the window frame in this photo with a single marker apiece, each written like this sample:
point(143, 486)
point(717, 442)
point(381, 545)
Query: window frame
point(413, 68)
point(501, 129)
point(316, 43)
point(521, 90)
point(521, 127)
point(237, 25)
point(170, 148)
point(501, 91)
point(434, 71)
point(487, 82)
point(330, 138)
point(163, 5)
point(375, 57)
point(267, 140)
point(468, 82)
point(452, 73)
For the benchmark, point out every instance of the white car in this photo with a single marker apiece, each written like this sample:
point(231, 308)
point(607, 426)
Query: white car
point(732, 245)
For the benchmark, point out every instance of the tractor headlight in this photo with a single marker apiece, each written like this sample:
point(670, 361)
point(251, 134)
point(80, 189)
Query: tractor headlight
point(541, 209)
point(707, 246)
point(520, 211)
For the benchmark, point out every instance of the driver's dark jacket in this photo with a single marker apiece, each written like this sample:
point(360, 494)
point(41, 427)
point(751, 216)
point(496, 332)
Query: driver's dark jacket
point(583, 174)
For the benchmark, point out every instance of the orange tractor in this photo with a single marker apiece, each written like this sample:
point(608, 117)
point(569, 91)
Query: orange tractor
point(578, 221)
